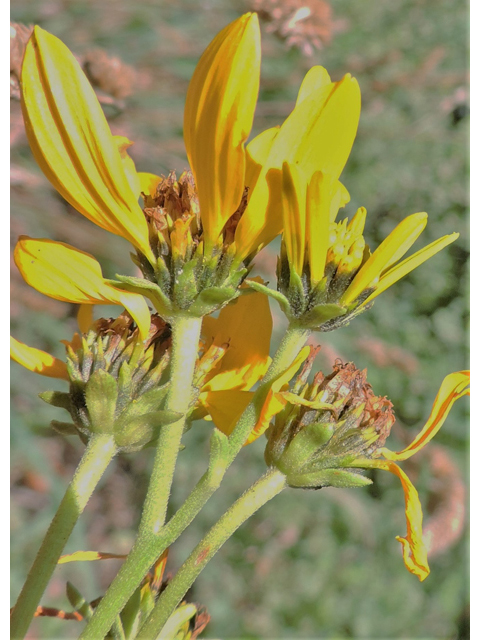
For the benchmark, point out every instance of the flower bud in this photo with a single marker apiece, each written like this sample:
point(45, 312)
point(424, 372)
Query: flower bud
point(115, 382)
point(327, 425)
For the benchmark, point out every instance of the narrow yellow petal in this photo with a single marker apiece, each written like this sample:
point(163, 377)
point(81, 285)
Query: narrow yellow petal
point(246, 326)
point(294, 193)
point(72, 142)
point(85, 317)
point(400, 270)
point(395, 245)
point(452, 388)
point(89, 556)
point(218, 118)
point(37, 361)
point(149, 183)
point(318, 214)
point(316, 78)
point(413, 546)
point(64, 273)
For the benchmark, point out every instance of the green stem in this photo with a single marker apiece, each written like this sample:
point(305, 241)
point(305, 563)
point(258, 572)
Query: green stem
point(267, 487)
point(148, 547)
point(185, 338)
point(97, 456)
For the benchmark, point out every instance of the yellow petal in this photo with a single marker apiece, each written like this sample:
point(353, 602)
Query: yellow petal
point(149, 183)
point(318, 214)
point(452, 388)
point(390, 250)
point(85, 317)
point(294, 191)
point(317, 136)
point(89, 556)
point(72, 142)
point(64, 273)
point(400, 270)
point(256, 155)
point(218, 118)
point(37, 361)
point(123, 145)
point(226, 407)
point(246, 326)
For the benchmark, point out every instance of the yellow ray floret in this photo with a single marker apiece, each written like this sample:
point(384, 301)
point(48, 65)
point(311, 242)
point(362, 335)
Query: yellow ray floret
point(37, 360)
point(72, 142)
point(64, 273)
point(218, 118)
point(453, 387)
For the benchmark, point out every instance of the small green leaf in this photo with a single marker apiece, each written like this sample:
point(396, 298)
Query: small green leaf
point(211, 299)
point(143, 429)
point(340, 478)
point(78, 602)
point(304, 445)
point(276, 295)
point(56, 399)
point(320, 314)
point(64, 428)
point(101, 400)
point(146, 288)
point(149, 401)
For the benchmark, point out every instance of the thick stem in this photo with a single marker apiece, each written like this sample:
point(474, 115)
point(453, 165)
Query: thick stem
point(267, 487)
point(148, 548)
point(185, 338)
point(97, 456)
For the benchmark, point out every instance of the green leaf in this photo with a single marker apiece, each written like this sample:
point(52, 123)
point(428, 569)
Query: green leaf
point(340, 478)
point(304, 445)
point(276, 295)
point(101, 400)
point(211, 299)
point(78, 602)
point(64, 428)
point(146, 288)
point(143, 429)
point(131, 614)
point(56, 399)
point(150, 401)
point(320, 314)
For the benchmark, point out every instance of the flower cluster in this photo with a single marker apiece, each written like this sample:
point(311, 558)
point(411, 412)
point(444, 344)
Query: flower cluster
point(195, 239)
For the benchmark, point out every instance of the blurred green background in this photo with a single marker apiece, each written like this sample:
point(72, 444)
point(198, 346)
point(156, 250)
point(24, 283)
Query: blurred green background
point(310, 564)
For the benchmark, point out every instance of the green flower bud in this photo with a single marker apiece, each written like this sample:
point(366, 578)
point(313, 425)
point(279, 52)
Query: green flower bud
point(327, 425)
point(116, 383)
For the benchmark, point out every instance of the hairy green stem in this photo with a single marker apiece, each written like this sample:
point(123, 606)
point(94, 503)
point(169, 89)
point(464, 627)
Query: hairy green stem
point(97, 456)
point(185, 338)
point(149, 546)
point(267, 487)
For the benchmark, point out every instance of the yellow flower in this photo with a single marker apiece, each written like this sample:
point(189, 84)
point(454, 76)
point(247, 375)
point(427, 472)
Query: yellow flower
point(340, 276)
point(235, 357)
point(452, 388)
point(64, 273)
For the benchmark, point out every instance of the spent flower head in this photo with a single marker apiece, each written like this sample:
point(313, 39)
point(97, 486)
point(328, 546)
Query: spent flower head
point(335, 427)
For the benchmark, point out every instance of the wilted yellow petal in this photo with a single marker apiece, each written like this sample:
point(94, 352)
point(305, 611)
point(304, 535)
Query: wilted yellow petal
point(64, 273)
point(72, 142)
point(452, 388)
point(218, 118)
point(89, 556)
point(37, 361)
point(400, 270)
point(395, 245)
point(245, 325)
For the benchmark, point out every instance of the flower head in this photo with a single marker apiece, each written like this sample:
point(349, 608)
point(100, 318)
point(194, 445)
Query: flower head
point(335, 427)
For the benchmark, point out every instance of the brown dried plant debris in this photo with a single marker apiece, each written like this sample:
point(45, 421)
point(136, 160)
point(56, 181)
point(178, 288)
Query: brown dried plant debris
point(304, 24)
point(113, 78)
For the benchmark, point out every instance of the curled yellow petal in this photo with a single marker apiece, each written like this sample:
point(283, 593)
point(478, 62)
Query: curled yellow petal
point(89, 556)
point(123, 144)
point(37, 360)
point(395, 245)
point(294, 212)
point(85, 317)
point(218, 118)
point(226, 406)
point(64, 273)
point(256, 155)
point(413, 546)
point(322, 190)
point(72, 142)
point(149, 183)
point(398, 271)
point(454, 386)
